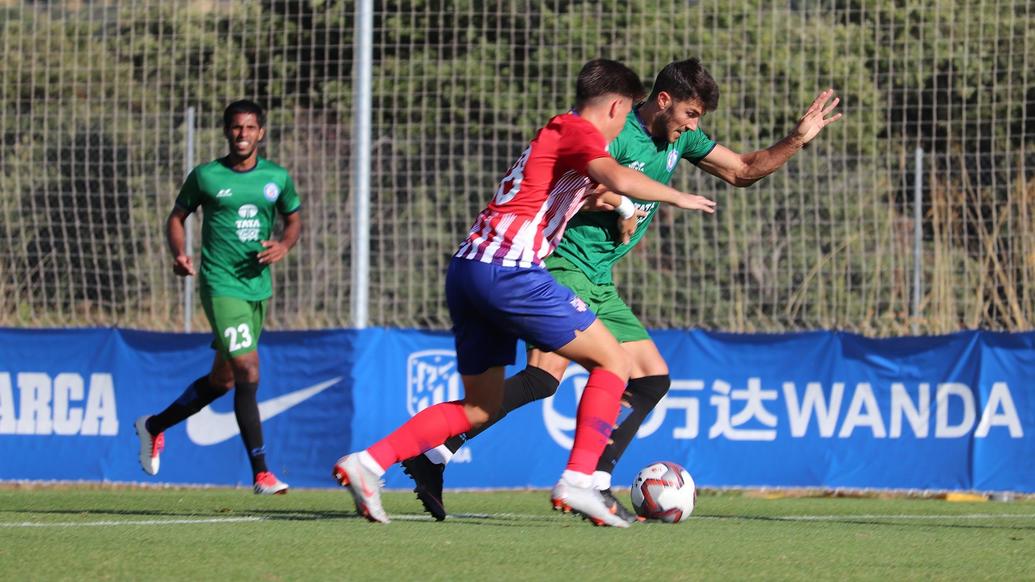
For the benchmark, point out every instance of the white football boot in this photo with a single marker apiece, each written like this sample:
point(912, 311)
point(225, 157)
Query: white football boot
point(266, 483)
point(586, 501)
point(365, 486)
point(150, 446)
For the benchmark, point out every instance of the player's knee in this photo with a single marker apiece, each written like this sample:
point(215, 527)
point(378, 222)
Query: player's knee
point(620, 362)
point(649, 389)
point(210, 391)
point(541, 383)
point(245, 371)
point(620, 365)
point(478, 417)
point(221, 380)
point(548, 363)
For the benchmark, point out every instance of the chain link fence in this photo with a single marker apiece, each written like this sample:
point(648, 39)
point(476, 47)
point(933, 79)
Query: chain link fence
point(93, 101)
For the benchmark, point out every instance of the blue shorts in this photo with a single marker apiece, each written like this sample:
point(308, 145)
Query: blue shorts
point(493, 306)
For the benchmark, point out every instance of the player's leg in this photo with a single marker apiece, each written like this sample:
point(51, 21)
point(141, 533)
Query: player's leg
point(483, 349)
point(362, 471)
point(537, 381)
point(648, 385)
point(237, 325)
point(199, 394)
point(482, 396)
point(598, 351)
point(241, 323)
point(545, 368)
point(531, 304)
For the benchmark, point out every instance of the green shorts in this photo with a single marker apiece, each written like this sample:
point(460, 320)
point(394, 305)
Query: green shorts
point(602, 299)
point(236, 323)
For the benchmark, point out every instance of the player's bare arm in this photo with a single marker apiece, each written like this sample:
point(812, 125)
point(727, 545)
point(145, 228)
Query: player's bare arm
point(627, 226)
point(598, 201)
point(176, 236)
point(603, 199)
point(276, 250)
point(607, 172)
point(743, 170)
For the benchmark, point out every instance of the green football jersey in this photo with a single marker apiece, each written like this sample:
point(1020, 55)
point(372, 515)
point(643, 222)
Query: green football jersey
point(591, 241)
point(240, 208)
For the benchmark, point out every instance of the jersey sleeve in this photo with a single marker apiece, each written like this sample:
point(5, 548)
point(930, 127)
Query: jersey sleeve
point(579, 145)
point(288, 201)
point(698, 146)
point(190, 195)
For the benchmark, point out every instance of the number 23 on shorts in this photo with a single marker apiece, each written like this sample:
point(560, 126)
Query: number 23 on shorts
point(238, 338)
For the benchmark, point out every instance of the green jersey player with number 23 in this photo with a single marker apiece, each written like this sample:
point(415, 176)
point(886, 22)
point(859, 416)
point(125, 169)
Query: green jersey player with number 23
point(241, 195)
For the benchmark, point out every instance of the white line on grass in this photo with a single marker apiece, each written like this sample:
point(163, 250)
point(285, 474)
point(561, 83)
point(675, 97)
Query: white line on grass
point(874, 516)
point(901, 516)
point(527, 517)
point(133, 522)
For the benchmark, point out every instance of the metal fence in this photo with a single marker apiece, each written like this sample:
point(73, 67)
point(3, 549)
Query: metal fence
point(95, 97)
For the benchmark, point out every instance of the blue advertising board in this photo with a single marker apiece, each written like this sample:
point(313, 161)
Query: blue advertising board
point(815, 409)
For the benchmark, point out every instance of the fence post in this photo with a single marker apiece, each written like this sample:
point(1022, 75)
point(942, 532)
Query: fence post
point(918, 234)
point(362, 75)
point(188, 282)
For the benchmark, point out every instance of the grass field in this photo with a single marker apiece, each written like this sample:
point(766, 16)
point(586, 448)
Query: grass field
point(103, 534)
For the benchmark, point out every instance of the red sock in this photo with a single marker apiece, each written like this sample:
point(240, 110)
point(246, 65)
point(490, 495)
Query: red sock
point(427, 429)
point(598, 410)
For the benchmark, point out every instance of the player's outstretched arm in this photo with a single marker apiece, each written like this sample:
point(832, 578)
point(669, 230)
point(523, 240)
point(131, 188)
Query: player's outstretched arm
point(628, 216)
point(276, 250)
point(743, 170)
point(176, 236)
point(607, 172)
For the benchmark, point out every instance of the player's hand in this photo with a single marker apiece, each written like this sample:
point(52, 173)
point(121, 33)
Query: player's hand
point(817, 117)
point(594, 201)
point(695, 202)
point(183, 266)
point(275, 251)
point(627, 226)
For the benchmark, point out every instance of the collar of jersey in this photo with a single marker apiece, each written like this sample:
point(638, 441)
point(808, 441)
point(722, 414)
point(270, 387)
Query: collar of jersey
point(222, 162)
point(643, 126)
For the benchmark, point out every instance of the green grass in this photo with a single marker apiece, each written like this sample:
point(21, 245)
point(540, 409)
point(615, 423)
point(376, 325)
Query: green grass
point(97, 534)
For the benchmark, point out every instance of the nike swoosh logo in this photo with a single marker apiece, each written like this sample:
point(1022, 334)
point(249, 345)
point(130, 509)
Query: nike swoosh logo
point(209, 427)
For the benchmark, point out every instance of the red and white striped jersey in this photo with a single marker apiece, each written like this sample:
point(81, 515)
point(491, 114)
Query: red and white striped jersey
point(544, 188)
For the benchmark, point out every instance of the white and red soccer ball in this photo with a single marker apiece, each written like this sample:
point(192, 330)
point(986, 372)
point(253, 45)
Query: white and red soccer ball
point(664, 491)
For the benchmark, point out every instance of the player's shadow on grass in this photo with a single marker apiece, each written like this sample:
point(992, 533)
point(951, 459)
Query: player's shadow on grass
point(887, 522)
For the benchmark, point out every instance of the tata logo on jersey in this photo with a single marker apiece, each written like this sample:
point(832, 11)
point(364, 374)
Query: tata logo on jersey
point(248, 226)
point(431, 378)
point(65, 404)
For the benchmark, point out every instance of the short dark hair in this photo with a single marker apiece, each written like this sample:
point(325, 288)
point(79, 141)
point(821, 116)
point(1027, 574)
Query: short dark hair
point(243, 106)
point(605, 77)
point(685, 80)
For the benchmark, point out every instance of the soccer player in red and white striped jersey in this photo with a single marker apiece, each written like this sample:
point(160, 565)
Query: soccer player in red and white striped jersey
point(498, 291)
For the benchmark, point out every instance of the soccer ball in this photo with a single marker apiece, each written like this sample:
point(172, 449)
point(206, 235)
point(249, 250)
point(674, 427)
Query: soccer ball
point(664, 491)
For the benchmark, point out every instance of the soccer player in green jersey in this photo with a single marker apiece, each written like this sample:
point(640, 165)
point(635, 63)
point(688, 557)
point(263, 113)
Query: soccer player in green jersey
point(241, 194)
point(657, 133)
